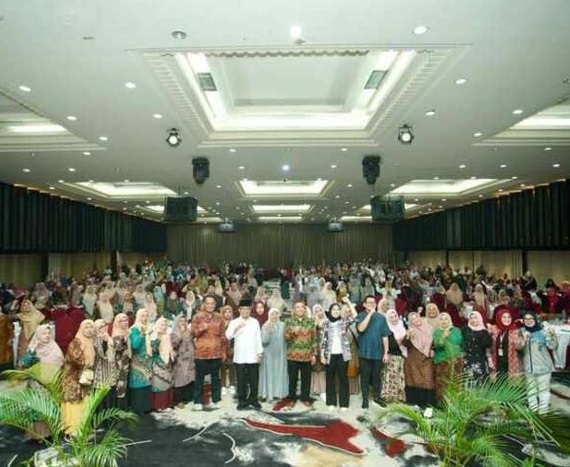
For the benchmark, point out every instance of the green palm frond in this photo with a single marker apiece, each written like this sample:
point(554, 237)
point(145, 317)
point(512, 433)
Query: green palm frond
point(105, 452)
point(478, 423)
point(21, 408)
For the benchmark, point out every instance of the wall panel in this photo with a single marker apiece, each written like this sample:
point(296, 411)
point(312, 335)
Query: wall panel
point(277, 245)
point(24, 270)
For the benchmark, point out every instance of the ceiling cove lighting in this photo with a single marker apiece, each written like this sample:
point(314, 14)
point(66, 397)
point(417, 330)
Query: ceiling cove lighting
point(173, 138)
point(41, 128)
point(405, 134)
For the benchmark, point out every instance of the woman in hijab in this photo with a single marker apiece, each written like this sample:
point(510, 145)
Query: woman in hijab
point(454, 296)
point(259, 312)
point(173, 307)
point(139, 296)
point(190, 304)
point(275, 301)
point(273, 377)
point(89, 299)
point(448, 354)
point(162, 358)
point(393, 377)
point(318, 375)
point(30, 319)
point(140, 393)
point(104, 367)
point(504, 355)
point(105, 308)
point(432, 315)
point(158, 295)
point(151, 307)
point(46, 355)
point(476, 342)
point(122, 346)
point(77, 376)
point(335, 355)
point(184, 370)
point(418, 366)
point(534, 342)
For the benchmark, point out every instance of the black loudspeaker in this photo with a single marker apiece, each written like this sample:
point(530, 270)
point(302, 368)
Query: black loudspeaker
point(181, 209)
point(371, 168)
point(387, 209)
point(201, 169)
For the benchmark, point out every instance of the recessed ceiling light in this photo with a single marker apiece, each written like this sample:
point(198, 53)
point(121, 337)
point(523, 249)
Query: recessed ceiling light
point(556, 165)
point(500, 190)
point(126, 180)
point(392, 185)
point(130, 85)
point(436, 178)
point(124, 209)
point(523, 184)
point(232, 150)
point(343, 149)
point(548, 148)
point(514, 177)
point(416, 200)
point(429, 113)
point(285, 167)
point(462, 166)
point(25, 88)
point(52, 188)
point(71, 169)
point(478, 134)
point(420, 29)
point(349, 185)
point(103, 138)
point(444, 200)
point(178, 34)
point(217, 203)
point(517, 111)
point(26, 170)
point(503, 166)
point(60, 181)
point(440, 207)
point(296, 32)
point(186, 193)
point(72, 118)
point(241, 167)
point(91, 181)
point(333, 166)
point(480, 196)
point(473, 177)
point(89, 199)
point(460, 81)
point(86, 153)
point(157, 116)
point(218, 186)
point(319, 179)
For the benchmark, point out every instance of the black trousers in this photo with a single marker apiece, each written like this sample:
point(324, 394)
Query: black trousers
point(293, 369)
point(247, 382)
point(336, 371)
point(204, 367)
point(370, 374)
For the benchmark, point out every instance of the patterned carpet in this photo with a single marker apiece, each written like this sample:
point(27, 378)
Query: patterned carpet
point(304, 437)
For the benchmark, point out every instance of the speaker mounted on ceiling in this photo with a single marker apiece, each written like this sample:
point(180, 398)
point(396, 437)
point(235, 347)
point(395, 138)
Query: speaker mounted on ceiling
point(387, 209)
point(371, 168)
point(181, 210)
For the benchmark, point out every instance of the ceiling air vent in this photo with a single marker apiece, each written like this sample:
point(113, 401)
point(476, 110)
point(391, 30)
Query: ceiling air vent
point(207, 82)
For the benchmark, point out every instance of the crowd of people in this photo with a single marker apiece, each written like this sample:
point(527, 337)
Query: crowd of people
point(162, 336)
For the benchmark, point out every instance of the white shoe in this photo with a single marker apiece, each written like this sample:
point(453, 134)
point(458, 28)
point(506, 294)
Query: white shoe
point(323, 396)
point(344, 409)
point(232, 389)
point(197, 407)
point(428, 413)
point(224, 390)
point(214, 405)
point(331, 408)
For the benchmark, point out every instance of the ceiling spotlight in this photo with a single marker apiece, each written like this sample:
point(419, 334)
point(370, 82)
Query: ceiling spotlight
point(72, 118)
point(285, 167)
point(178, 34)
point(460, 81)
point(478, 134)
point(25, 88)
point(548, 148)
point(173, 137)
point(517, 111)
point(430, 113)
point(421, 29)
point(157, 116)
point(405, 134)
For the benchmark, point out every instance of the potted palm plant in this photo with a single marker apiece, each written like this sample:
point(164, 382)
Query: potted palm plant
point(24, 408)
point(476, 425)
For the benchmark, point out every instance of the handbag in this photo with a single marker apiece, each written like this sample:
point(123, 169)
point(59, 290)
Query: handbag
point(86, 378)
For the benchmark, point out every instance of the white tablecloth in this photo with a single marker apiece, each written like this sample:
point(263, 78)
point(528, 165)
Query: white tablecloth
point(563, 336)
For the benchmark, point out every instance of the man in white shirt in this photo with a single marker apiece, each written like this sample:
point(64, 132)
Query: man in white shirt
point(248, 351)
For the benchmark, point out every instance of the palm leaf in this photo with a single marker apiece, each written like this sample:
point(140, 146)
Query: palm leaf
point(105, 452)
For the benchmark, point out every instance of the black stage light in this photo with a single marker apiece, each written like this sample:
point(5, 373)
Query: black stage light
point(405, 134)
point(173, 137)
point(201, 169)
point(371, 168)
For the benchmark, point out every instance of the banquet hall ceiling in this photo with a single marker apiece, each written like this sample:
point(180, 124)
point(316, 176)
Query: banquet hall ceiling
point(284, 99)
